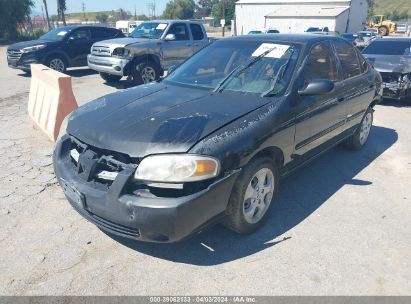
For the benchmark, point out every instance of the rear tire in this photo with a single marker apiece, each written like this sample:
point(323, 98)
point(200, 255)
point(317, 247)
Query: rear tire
point(253, 196)
point(145, 72)
point(358, 140)
point(110, 78)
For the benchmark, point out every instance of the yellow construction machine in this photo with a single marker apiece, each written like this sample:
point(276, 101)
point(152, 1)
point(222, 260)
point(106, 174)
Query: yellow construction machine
point(384, 26)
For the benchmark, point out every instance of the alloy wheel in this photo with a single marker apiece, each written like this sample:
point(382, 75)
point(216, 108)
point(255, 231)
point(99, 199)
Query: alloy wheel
point(57, 64)
point(365, 128)
point(148, 74)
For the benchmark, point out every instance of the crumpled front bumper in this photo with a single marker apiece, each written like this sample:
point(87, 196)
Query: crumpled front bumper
point(148, 218)
point(109, 65)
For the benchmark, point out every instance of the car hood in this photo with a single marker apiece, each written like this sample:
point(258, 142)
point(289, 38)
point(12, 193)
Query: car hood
point(120, 42)
point(156, 118)
point(24, 44)
point(390, 63)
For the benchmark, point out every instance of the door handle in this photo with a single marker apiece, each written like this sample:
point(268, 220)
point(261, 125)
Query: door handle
point(340, 99)
point(188, 44)
point(372, 86)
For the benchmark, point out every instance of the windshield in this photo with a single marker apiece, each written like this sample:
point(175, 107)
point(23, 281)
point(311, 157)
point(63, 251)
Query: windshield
point(364, 34)
point(382, 47)
point(56, 34)
point(239, 66)
point(152, 30)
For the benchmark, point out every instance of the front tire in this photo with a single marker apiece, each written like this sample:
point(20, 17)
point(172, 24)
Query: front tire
point(110, 78)
point(57, 63)
point(253, 196)
point(358, 140)
point(383, 30)
point(145, 72)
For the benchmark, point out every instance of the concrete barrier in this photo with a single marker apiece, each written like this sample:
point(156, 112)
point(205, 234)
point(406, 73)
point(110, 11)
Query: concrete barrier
point(51, 99)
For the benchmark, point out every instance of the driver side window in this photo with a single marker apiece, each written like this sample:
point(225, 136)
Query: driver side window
point(321, 64)
point(180, 31)
point(82, 34)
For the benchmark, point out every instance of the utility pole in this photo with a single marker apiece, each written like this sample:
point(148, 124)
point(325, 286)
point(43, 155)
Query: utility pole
point(152, 9)
point(83, 9)
point(135, 12)
point(223, 17)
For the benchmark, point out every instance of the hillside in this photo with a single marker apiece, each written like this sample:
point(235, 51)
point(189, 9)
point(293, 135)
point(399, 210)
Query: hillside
point(389, 6)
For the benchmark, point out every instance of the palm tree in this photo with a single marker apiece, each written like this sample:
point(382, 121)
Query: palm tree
point(47, 15)
point(61, 8)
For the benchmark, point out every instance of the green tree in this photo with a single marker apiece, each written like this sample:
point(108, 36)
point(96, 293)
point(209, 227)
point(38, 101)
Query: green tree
point(179, 9)
point(12, 13)
point(229, 10)
point(102, 17)
point(204, 7)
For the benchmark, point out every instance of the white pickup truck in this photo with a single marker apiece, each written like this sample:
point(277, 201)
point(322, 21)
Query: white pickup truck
point(152, 48)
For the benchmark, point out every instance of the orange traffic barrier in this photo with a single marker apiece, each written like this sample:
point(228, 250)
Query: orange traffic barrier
point(51, 99)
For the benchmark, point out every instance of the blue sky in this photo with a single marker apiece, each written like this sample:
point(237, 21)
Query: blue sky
point(74, 6)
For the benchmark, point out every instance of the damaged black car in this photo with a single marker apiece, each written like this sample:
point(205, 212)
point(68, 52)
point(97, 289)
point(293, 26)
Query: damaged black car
point(209, 143)
point(392, 58)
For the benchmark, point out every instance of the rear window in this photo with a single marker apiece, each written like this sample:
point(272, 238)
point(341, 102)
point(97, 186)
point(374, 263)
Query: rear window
point(382, 47)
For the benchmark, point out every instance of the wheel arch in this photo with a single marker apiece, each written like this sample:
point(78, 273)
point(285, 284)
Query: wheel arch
point(272, 152)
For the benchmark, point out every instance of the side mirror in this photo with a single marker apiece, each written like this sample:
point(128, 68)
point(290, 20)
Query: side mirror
point(317, 87)
point(170, 37)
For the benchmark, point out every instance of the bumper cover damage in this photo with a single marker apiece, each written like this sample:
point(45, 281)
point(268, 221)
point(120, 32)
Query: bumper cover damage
point(120, 207)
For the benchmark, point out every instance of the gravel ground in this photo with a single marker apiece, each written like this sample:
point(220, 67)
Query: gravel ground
point(341, 227)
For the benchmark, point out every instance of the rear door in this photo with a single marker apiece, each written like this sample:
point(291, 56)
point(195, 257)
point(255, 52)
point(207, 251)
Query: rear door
point(358, 82)
point(320, 117)
point(78, 46)
point(176, 51)
point(199, 37)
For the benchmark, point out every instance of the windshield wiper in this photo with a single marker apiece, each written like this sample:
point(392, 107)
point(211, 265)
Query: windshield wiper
point(279, 74)
point(238, 70)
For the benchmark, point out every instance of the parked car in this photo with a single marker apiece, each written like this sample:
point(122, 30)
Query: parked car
point(60, 48)
point(209, 143)
point(150, 49)
point(364, 38)
point(264, 31)
point(317, 29)
point(392, 58)
point(349, 37)
point(401, 28)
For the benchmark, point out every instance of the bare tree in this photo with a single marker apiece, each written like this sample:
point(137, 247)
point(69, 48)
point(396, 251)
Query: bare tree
point(47, 15)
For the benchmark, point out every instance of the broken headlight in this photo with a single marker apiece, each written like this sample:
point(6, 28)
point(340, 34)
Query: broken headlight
point(121, 52)
point(177, 168)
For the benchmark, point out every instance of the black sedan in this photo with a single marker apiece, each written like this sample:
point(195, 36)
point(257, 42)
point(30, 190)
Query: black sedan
point(210, 142)
point(392, 58)
point(60, 48)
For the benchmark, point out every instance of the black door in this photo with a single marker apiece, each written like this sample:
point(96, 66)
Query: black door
point(358, 82)
point(78, 46)
point(319, 117)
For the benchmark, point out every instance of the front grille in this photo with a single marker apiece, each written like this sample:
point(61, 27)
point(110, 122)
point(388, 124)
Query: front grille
point(102, 51)
point(390, 77)
point(98, 165)
point(15, 55)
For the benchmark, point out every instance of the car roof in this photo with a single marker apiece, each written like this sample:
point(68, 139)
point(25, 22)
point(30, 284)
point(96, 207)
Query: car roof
point(73, 27)
point(293, 38)
point(395, 39)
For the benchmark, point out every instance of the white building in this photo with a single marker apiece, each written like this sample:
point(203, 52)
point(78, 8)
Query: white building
point(296, 16)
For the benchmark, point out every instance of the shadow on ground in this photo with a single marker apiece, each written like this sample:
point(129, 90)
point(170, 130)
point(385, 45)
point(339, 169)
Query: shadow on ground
point(397, 103)
point(300, 195)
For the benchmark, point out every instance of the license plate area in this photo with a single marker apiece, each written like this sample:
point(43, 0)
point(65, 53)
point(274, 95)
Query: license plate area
point(73, 194)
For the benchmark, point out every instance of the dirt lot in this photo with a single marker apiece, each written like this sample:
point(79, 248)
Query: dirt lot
point(341, 227)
